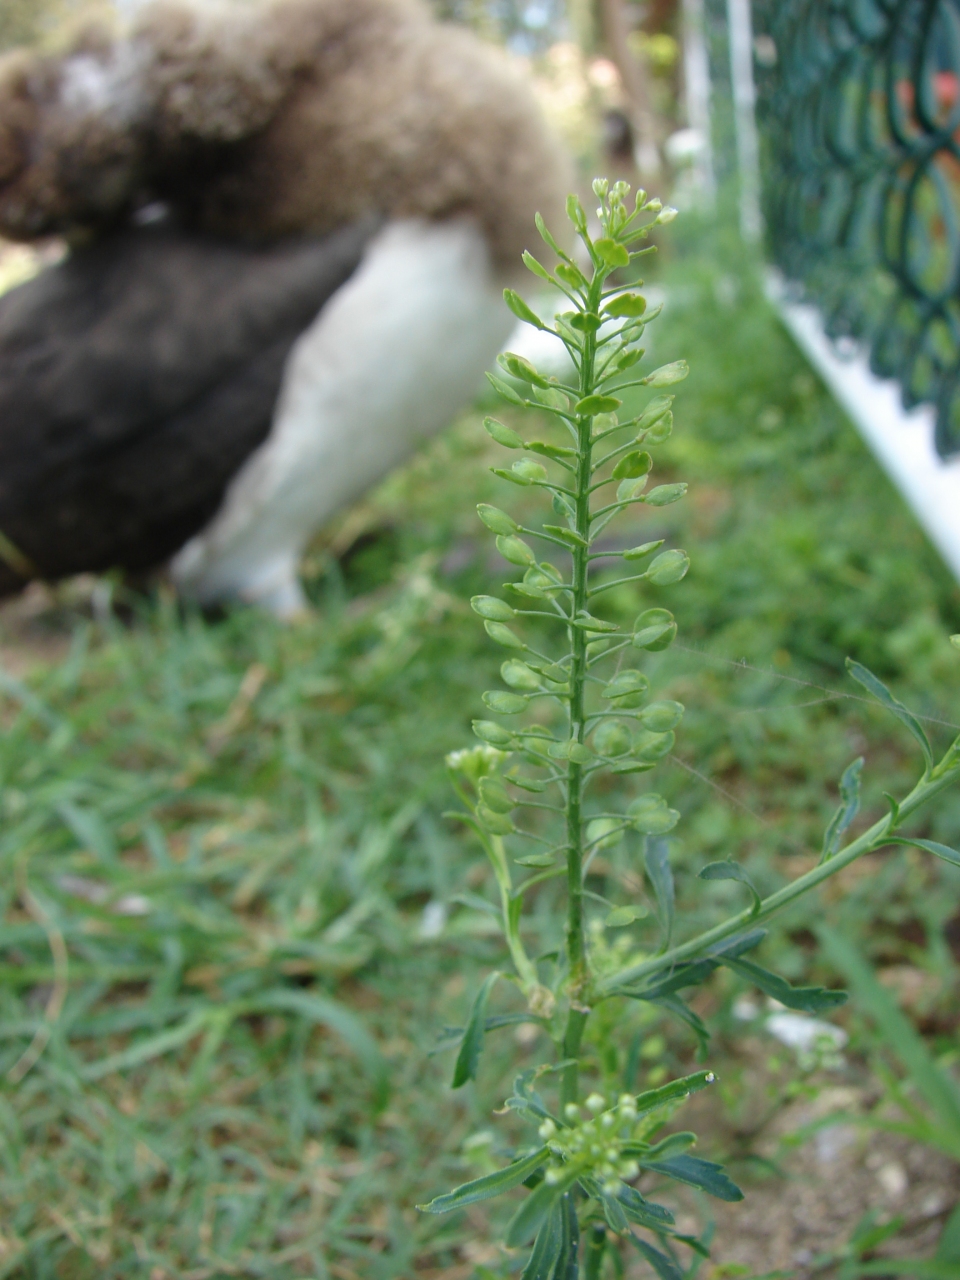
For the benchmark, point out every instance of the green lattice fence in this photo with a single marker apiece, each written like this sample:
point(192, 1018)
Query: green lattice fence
point(859, 106)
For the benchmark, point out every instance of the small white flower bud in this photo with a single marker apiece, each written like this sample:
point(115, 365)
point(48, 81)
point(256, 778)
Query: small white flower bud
point(608, 1120)
point(628, 1170)
point(666, 214)
point(611, 1186)
point(552, 1176)
point(595, 1103)
point(571, 1112)
point(547, 1129)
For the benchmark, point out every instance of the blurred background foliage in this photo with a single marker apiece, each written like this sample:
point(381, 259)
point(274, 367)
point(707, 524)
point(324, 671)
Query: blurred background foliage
point(235, 917)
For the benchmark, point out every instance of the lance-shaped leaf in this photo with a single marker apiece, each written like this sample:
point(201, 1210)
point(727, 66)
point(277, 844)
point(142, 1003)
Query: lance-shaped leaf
point(680, 1009)
point(883, 695)
point(490, 1185)
point(703, 1174)
point(664, 1266)
point(657, 862)
point(841, 820)
point(529, 1218)
point(548, 239)
point(645, 1213)
point(728, 870)
point(803, 999)
point(676, 1090)
point(931, 846)
point(547, 1246)
point(567, 1267)
point(530, 262)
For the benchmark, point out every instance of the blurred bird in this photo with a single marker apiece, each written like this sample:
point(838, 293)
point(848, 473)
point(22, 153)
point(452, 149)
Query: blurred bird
point(291, 226)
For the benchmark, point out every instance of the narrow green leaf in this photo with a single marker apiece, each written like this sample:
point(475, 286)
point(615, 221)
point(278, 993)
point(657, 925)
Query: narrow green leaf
point(657, 863)
point(472, 1045)
point(729, 870)
point(490, 1185)
point(147, 1049)
point(703, 1174)
point(804, 999)
point(530, 1216)
point(935, 1087)
point(680, 1009)
point(931, 846)
point(645, 1213)
point(619, 917)
point(521, 310)
point(841, 820)
point(675, 1091)
point(879, 690)
point(568, 1263)
point(664, 1266)
point(587, 622)
point(547, 1246)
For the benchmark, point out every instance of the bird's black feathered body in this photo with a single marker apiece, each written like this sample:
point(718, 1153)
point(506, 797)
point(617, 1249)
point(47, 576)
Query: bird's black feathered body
point(135, 379)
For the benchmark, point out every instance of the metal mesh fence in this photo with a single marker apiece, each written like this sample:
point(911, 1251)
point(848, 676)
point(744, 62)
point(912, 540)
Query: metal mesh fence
point(859, 104)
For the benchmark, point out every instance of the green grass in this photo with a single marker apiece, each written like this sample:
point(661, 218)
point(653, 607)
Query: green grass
point(211, 1101)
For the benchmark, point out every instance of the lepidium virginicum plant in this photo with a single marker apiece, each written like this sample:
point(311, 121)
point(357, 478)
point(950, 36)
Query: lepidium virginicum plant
point(590, 712)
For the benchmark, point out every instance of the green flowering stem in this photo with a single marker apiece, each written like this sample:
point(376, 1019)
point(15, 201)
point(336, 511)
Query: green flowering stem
point(871, 840)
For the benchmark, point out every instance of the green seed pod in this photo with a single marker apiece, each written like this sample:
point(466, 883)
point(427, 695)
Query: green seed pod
point(516, 551)
point(611, 738)
point(627, 688)
point(661, 496)
point(528, 472)
point(504, 389)
point(632, 466)
point(498, 823)
point(518, 675)
point(591, 405)
point(505, 704)
point(603, 833)
point(551, 398)
point(669, 567)
point(641, 552)
point(629, 489)
point(570, 275)
point(497, 521)
point(651, 815)
point(494, 795)
point(487, 731)
point(653, 746)
point(660, 430)
point(521, 368)
point(521, 310)
point(667, 374)
point(491, 607)
point(654, 411)
point(661, 717)
point(576, 214)
point(626, 304)
point(503, 435)
point(654, 630)
point(613, 254)
point(500, 633)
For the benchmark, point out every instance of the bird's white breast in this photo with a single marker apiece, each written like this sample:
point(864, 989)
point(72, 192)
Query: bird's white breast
point(389, 360)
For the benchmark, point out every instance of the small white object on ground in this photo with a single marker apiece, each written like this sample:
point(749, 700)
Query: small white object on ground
point(800, 1032)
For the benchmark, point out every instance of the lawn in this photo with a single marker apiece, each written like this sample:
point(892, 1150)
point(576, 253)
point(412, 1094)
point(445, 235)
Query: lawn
point(236, 917)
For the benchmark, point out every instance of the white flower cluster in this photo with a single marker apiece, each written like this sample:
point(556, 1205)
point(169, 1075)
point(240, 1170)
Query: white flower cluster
point(594, 1145)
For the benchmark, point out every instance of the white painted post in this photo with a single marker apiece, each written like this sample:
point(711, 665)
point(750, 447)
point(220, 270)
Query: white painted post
point(696, 78)
point(740, 34)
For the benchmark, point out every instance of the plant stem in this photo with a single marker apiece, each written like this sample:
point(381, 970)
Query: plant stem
point(871, 839)
point(576, 946)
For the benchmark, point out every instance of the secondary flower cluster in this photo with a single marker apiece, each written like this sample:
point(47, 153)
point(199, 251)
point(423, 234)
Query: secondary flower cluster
point(599, 1145)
